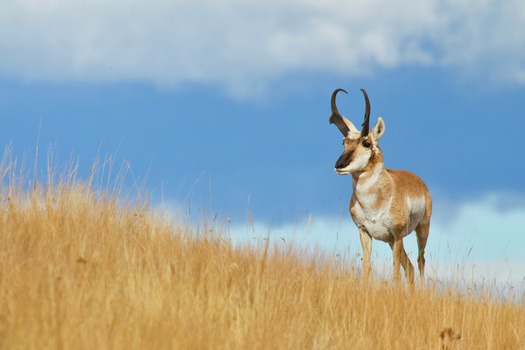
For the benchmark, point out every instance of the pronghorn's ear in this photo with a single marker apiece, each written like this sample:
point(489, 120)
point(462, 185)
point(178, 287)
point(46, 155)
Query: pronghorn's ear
point(353, 130)
point(379, 130)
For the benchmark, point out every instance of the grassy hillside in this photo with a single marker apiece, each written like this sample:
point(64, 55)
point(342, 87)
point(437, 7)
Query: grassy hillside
point(83, 269)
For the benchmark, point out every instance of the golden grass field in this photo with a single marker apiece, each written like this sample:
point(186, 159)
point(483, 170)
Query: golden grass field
point(82, 268)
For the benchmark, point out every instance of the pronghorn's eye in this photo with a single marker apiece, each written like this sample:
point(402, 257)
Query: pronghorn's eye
point(366, 144)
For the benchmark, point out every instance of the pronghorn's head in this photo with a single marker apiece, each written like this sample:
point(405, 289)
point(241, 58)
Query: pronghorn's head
point(361, 148)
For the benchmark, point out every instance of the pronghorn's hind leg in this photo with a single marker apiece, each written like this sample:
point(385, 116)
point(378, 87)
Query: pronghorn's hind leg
point(422, 236)
point(407, 266)
point(401, 258)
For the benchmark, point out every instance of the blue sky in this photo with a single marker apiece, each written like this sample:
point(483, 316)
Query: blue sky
point(226, 105)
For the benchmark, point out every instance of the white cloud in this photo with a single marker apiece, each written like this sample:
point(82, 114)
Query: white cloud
point(483, 240)
point(243, 45)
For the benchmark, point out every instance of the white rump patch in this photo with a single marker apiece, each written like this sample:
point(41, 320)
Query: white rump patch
point(416, 208)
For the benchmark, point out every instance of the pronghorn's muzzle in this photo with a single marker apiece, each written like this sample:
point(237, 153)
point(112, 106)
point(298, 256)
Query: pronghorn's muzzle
point(344, 159)
point(339, 164)
point(342, 163)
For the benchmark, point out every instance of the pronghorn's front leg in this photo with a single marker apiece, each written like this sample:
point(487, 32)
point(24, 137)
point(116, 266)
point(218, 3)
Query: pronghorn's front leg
point(366, 243)
point(401, 258)
point(397, 248)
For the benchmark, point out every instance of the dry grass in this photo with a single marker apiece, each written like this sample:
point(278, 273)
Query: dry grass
point(83, 269)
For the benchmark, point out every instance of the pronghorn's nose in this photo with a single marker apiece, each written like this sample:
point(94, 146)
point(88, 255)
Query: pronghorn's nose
point(344, 159)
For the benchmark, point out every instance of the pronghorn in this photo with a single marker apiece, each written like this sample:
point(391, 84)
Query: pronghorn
point(386, 204)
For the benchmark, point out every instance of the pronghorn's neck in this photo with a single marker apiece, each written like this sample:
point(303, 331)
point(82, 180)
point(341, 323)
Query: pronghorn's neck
point(373, 185)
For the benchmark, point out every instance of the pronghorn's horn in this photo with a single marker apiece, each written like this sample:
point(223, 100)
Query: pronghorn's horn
point(336, 117)
point(366, 123)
